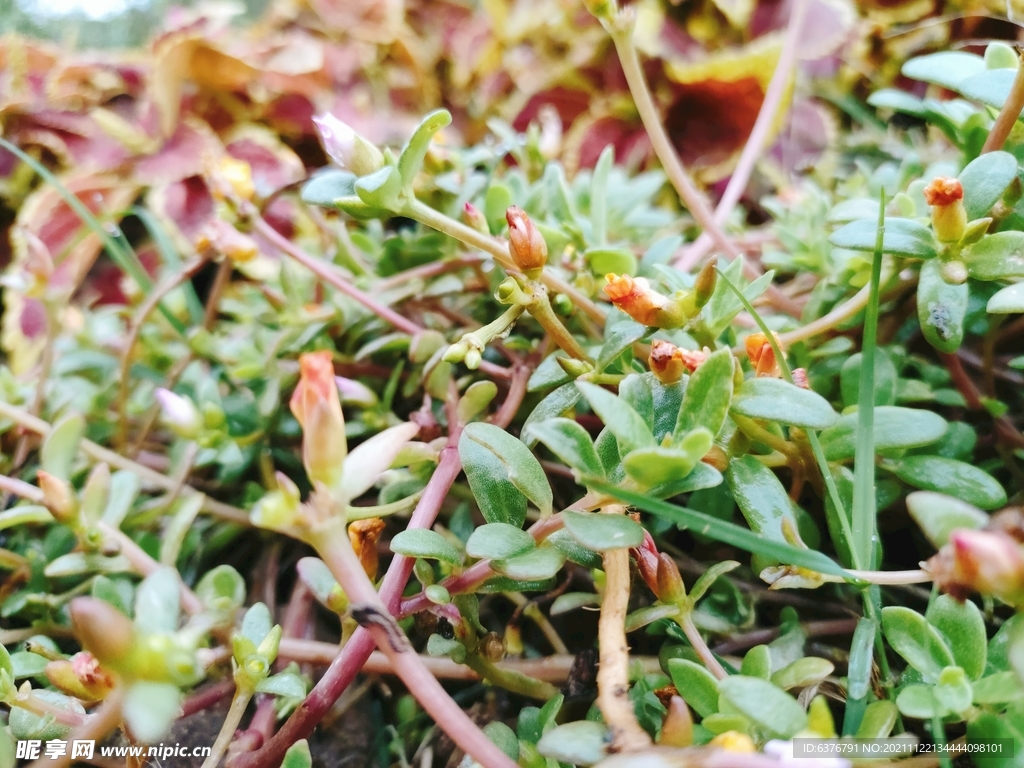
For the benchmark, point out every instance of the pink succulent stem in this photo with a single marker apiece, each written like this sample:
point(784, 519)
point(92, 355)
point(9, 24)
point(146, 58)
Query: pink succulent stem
point(347, 664)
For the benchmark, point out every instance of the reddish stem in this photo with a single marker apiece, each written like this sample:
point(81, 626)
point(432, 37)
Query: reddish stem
point(347, 664)
point(330, 275)
point(207, 697)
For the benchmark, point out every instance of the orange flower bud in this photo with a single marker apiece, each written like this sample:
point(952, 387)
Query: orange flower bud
point(102, 629)
point(316, 405)
point(645, 305)
point(761, 354)
point(81, 676)
point(988, 562)
point(364, 535)
point(716, 458)
point(949, 217)
point(58, 496)
point(677, 728)
point(670, 583)
point(525, 243)
point(666, 361)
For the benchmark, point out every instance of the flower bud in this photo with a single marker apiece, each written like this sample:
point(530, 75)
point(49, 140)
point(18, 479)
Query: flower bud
point(647, 562)
point(364, 535)
point(704, 285)
point(677, 727)
point(574, 367)
point(456, 353)
point(953, 272)
point(102, 630)
point(473, 359)
point(670, 583)
point(645, 305)
point(179, 414)
point(761, 354)
point(81, 676)
point(717, 458)
point(316, 405)
point(475, 219)
point(525, 243)
point(666, 361)
point(949, 217)
point(988, 562)
point(800, 378)
point(347, 148)
point(59, 497)
point(492, 647)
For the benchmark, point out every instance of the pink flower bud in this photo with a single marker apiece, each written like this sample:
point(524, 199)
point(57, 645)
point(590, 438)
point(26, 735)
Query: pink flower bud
point(179, 413)
point(525, 242)
point(347, 148)
point(316, 405)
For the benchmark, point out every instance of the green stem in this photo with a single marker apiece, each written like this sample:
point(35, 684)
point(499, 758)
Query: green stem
point(685, 621)
point(510, 679)
point(498, 249)
point(239, 702)
point(541, 311)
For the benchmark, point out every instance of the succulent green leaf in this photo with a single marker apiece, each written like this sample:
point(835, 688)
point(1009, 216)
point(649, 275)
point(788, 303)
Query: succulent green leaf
point(61, 445)
point(941, 308)
point(984, 180)
point(1008, 301)
point(953, 478)
point(520, 466)
point(903, 237)
point(539, 563)
point(571, 443)
point(963, 626)
point(947, 68)
point(708, 395)
point(938, 515)
point(810, 670)
point(157, 602)
point(150, 709)
point(896, 428)
point(298, 756)
point(626, 424)
point(411, 160)
point(920, 644)
point(764, 704)
point(600, 532)
point(778, 400)
point(498, 541)
point(697, 686)
point(420, 542)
